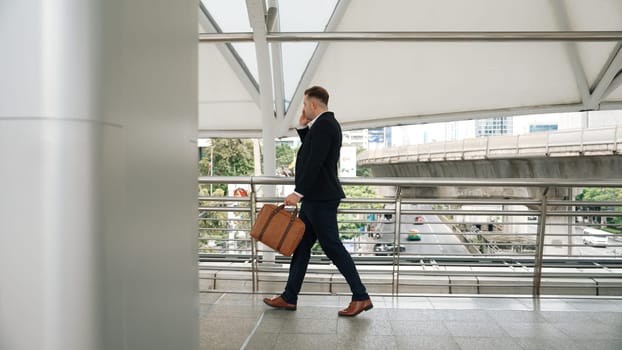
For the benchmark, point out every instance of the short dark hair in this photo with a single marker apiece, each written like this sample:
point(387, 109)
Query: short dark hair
point(318, 92)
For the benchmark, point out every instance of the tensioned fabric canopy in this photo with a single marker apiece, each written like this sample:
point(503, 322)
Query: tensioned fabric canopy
point(397, 62)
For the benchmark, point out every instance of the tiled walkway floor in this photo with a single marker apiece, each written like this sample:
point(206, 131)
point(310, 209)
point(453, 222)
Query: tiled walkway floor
point(242, 321)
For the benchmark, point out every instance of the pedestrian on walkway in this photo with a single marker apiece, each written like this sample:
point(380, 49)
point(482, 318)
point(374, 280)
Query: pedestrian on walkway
point(319, 191)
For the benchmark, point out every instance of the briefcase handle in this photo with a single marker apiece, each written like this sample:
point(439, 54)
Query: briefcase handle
point(294, 214)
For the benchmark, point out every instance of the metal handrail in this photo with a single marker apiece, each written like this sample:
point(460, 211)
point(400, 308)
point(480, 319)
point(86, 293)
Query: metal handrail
point(527, 249)
point(422, 181)
point(434, 36)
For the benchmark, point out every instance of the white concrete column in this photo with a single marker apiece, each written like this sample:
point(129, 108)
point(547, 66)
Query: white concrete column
point(150, 84)
point(257, 12)
point(98, 174)
point(555, 225)
point(50, 202)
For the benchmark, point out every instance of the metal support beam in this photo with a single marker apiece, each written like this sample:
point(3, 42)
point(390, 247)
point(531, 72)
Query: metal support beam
point(450, 36)
point(277, 67)
point(537, 268)
point(561, 15)
point(294, 107)
point(272, 15)
point(570, 220)
point(610, 106)
point(257, 18)
point(610, 70)
point(254, 255)
point(396, 241)
point(615, 83)
point(230, 55)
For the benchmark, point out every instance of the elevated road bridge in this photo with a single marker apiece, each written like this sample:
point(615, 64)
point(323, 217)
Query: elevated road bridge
point(579, 154)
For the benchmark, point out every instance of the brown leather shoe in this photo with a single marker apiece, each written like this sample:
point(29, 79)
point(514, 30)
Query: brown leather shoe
point(279, 303)
point(356, 307)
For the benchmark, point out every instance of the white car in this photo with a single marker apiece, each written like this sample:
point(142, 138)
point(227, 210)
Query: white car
point(595, 238)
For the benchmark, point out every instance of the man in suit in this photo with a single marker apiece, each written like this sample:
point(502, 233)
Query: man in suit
point(318, 188)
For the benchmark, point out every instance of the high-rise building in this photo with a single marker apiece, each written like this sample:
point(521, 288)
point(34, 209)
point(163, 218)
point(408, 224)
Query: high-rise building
point(355, 137)
point(493, 126)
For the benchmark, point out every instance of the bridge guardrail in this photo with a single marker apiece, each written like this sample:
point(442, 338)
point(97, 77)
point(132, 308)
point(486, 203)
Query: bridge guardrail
point(471, 245)
point(594, 141)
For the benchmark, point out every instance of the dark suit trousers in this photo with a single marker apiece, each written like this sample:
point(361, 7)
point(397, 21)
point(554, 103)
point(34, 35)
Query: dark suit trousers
point(320, 218)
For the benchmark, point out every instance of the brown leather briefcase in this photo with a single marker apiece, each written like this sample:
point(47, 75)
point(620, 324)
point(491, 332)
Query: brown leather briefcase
point(278, 229)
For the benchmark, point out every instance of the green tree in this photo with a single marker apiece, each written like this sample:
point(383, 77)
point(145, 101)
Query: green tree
point(285, 156)
point(600, 195)
point(362, 171)
point(231, 157)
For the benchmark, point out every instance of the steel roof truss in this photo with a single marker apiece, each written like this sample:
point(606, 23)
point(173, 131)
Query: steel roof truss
point(294, 106)
point(610, 70)
point(230, 55)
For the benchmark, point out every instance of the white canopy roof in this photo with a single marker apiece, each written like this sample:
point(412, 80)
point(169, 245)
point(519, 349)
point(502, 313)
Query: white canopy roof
point(396, 62)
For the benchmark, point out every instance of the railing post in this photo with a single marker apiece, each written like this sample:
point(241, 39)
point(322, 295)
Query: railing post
point(546, 146)
point(463, 157)
point(571, 218)
point(537, 268)
point(254, 255)
point(396, 241)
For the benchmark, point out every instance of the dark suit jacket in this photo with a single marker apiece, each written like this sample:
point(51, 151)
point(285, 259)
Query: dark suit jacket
point(317, 159)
